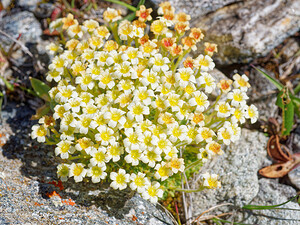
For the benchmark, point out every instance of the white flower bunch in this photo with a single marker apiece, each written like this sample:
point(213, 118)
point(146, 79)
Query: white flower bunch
point(134, 111)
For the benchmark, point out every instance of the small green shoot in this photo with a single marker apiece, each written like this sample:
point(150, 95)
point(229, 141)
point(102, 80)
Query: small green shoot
point(287, 101)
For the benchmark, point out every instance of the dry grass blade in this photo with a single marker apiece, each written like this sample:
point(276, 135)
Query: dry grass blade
point(209, 217)
point(24, 48)
point(210, 209)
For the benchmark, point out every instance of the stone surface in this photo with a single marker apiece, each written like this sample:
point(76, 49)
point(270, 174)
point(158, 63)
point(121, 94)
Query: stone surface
point(23, 23)
point(5, 3)
point(44, 10)
point(26, 168)
point(263, 94)
point(294, 177)
point(237, 168)
point(29, 5)
point(249, 29)
point(197, 8)
point(272, 193)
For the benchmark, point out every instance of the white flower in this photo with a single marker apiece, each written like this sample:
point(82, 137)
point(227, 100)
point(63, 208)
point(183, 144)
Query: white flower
point(131, 140)
point(200, 101)
point(133, 55)
point(159, 63)
point(153, 192)
point(99, 157)
point(241, 82)
point(208, 81)
point(205, 134)
point(68, 120)
point(238, 98)
point(204, 155)
point(226, 135)
point(105, 135)
point(205, 63)
point(97, 173)
point(85, 144)
point(151, 156)
point(63, 171)
point(139, 182)
point(77, 171)
point(252, 113)
point(53, 75)
point(106, 80)
point(119, 179)
point(192, 134)
point(211, 180)
point(163, 171)
point(239, 115)
point(175, 101)
point(126, 86)
point(114, 116)
point(143, 94)
point(177, 164)
point(161, 143)
point(177, 132)
point(39, 132)
point(84, 123)
point(184, 76)
point(114, 151)
point(136, 111)
point(214, 147)
point(145, 139)
point(236, 130)
point(73, 104)
point(64, 148)
point(224, 110)
point(150, 78)
point(133, 156)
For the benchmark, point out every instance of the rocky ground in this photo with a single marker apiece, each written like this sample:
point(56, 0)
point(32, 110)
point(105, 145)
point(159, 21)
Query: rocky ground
point(262, 33)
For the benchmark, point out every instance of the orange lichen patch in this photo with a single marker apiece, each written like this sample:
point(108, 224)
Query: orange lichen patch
point(57, 184)
point(68, 202)
point(134, 218)
point(38, 204)
point(53, 194)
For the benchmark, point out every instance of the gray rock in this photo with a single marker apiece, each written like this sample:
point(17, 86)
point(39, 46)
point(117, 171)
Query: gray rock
point(237, 168)
point(290, 48)
point(294, 176)
point(272, 193)
point(249, 29)
point(26, 168)
point(44, 10)
point(23, 23)
point(263, 94)
point(197, 8)
point(29, 5)
point(5, 3)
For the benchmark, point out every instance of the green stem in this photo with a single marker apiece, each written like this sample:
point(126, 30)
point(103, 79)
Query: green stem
point(188, 190)
point(130, 7)
point(114, 30)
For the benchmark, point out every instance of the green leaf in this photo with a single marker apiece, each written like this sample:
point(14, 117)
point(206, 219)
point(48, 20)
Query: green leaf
point(142, 2)
point(7, 84)
point(262, 207)
point(286, 104)
point(40, 112)
point(130, 7)
point(130, 17)
point(52, 105)
point(40, 88)
point(297, 89)
point(278, 85)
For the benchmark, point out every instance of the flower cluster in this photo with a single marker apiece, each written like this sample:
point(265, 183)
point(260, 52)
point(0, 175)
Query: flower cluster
point(135, 111)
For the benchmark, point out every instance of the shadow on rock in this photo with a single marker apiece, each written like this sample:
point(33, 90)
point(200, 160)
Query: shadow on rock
point(39, 163)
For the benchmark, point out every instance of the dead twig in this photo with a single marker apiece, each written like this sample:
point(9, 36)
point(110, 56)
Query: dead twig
point(24, 48)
